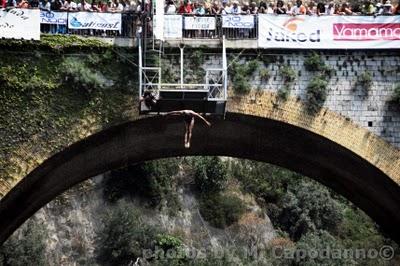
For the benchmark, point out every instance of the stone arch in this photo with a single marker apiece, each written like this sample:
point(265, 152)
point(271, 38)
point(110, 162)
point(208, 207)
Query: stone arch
point(325, 146)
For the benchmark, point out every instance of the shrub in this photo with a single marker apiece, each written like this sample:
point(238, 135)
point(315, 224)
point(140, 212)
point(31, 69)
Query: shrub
point(151, 180)
point(221, 210)
point(210, 174)
point(77, 74)
point(265, 75)
point(364, 81)
point(26, 248)
point(314, 62)
point(316, 94)
point(284, 92)
point(167, 242)
point(197, 58)
point(241, 85)
point(288, 74)
point(241, 75)
point(124, 236)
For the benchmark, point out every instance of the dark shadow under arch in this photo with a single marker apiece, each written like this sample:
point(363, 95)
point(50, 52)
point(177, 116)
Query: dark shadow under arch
point(238, 135)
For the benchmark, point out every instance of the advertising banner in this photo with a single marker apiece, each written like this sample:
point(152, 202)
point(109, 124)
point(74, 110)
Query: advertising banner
point(238, 21)
point(329, 32)
point(51, 17)
point(95, 21)
point(199, 23)
point(20, 23)
point(172, 26)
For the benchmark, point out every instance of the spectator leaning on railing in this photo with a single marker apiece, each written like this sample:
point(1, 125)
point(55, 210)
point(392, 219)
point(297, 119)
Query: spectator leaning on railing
point(203, 7)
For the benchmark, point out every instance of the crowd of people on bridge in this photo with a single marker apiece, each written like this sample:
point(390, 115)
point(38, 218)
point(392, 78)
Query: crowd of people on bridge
point(205, 7)
point(72, 6)
point(298, 7)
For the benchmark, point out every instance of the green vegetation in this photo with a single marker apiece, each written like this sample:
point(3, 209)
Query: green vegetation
point(56, 43)
point(124, 236)
point(364, 83)
point(315, 63)
point(210, 174)
point(241, 75)
point(154, 181)
point(26, 248)
point(316, 94)
point(288, 75)
point(311, 215)
point(221, 210)
point(265, 74)
point(53, 99)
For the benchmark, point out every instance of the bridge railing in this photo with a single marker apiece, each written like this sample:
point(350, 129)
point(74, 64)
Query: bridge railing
point(53, 22)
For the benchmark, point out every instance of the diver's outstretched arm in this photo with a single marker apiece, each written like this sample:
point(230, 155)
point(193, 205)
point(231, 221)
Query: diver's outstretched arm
point(202, 118)
point(174, 113)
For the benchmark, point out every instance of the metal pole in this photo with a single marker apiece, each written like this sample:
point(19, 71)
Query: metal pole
point(225, 68)
point(181, 48)
point(140, 67)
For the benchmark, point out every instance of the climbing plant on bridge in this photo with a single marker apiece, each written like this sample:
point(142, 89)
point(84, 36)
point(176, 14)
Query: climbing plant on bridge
point(241, 75)
point(288, 75)
point(316, 94)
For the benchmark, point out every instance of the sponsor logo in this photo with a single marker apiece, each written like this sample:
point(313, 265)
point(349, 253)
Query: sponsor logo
point(238, 22)
point(291, 32)
point(74, 22)
point(366, 32)
point(53, 18)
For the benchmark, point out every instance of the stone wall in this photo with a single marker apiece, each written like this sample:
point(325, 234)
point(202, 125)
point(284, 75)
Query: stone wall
point(375, 111)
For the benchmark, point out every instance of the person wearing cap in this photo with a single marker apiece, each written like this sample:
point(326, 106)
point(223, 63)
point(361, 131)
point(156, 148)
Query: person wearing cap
point(236, 8)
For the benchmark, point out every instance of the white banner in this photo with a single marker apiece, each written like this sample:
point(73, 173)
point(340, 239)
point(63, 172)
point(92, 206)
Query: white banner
point(172, 26)
point(20, 23)
point(199, 23)
point(329, 32)
point(50, 17)
point(95, 21)
point(238, 21)
point(158, 19)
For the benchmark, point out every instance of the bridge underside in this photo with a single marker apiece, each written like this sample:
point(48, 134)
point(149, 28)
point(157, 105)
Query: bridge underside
point(238, 135)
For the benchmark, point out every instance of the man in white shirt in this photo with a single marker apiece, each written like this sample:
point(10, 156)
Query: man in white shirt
point(236, 8)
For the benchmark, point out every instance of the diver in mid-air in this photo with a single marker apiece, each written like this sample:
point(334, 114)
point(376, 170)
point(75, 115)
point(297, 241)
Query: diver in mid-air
point(188, 118)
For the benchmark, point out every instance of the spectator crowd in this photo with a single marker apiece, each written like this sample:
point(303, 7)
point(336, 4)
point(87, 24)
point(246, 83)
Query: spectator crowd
point(204, 7)
point(384, 7)
point(69, 5)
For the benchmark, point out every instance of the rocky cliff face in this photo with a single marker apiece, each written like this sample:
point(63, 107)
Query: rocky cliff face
point(72, 220)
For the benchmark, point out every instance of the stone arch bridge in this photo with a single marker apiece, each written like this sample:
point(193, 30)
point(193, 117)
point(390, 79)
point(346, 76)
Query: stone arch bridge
point(326, 146)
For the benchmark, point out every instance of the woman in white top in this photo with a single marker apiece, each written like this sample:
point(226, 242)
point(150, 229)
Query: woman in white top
point(170, 8)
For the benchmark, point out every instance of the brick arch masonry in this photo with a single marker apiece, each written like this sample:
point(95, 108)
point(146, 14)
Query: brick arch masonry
point(326, 147)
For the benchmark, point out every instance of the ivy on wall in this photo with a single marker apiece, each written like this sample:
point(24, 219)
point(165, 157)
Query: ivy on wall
point(51, 98)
